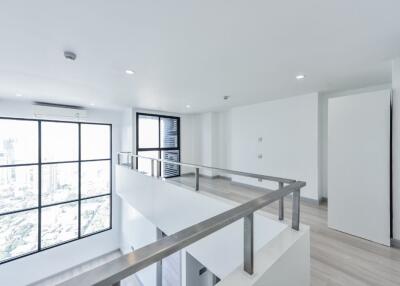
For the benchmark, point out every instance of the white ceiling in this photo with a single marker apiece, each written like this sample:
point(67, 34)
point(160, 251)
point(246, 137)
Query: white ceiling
point(193, 52)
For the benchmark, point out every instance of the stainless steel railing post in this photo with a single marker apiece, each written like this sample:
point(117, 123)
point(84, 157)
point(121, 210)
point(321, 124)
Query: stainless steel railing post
point(249, 244)
point(152, 167)
point(281, 205)
point(132, 163)
point(296, 210)
point(197, 178)
point(159, 263)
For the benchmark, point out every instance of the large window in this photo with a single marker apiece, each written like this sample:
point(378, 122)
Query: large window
point(55, 184)
point(158, 136)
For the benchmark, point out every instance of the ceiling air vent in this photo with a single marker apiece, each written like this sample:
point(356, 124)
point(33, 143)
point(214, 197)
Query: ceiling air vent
point(58, 111)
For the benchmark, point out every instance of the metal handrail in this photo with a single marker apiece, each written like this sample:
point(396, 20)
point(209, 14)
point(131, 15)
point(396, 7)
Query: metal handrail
point(281, 181)
point(197, 166)
point(113, 272)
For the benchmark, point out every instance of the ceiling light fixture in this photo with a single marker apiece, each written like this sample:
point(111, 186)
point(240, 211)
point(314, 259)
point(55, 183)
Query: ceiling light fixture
point(130, 72)
point(18, 95)
point(92, 104)
point(188, 106)
point(300, 76)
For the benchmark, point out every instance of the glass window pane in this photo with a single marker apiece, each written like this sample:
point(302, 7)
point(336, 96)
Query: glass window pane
point(19, 234)
point(60, 142)
point(18, 188)
point(170, 170)
point(148, 131)
point(95, 178)
point(18, 141)
point(59, 183)
point(169, 132)
point(95, 140)
point(144, 165)
point(59, 224)
point(95, 215)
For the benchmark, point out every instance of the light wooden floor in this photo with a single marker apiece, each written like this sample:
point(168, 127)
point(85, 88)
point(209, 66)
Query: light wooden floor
point(337, 259)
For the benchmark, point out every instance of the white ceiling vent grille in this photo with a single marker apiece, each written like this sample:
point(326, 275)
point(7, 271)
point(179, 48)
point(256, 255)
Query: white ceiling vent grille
point(59, 111)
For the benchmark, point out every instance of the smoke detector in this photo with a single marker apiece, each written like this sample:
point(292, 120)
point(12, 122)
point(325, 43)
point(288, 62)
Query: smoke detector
point(226, 97)
point(69, 55)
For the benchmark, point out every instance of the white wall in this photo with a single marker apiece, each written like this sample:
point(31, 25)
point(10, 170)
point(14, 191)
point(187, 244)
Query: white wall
point(323, 133)
point(38, 266)
point(396, 148)
point(359, 165)
point(205, 141)
point(224, 145)
point(127, 135)
point(136, 232)
point(192, 277)
point(289, 147)
point(291, 268)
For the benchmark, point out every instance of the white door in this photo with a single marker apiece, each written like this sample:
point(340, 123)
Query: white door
point(359, 165)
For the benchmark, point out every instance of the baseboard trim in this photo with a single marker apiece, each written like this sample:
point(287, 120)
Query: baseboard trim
point(395, 243)
point(323, 200)
point(309, 201)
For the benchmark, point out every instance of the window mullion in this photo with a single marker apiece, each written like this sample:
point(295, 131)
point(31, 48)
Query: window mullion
point(40, 186)
point(41, 175)
point(79, 181)
point(159, 147)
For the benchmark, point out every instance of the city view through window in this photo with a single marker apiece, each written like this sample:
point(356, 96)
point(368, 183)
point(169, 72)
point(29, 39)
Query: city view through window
point(55, 183)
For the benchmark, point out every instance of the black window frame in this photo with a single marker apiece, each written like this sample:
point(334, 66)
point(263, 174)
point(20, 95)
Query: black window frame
point(39, 165)
point(159, 149)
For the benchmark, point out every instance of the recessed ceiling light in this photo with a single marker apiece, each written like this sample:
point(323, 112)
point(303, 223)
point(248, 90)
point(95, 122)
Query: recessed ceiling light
point(92, 104)
point(188, 106)
point(130, 72)
point(300, 76)
point(18, 95)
